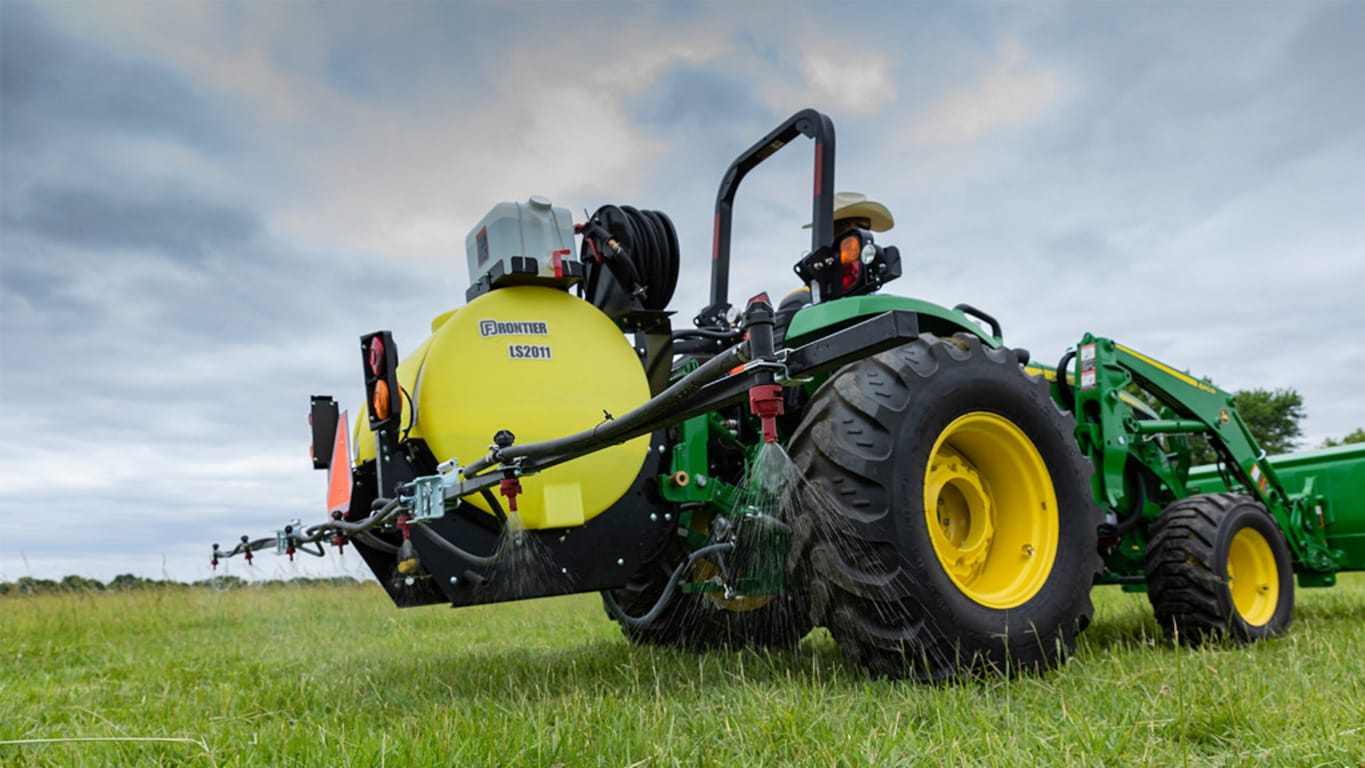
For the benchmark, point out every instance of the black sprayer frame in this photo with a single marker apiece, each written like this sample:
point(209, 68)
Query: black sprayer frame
point(807, 122)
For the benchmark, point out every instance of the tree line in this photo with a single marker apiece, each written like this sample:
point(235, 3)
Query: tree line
point(127, 582)
point(1273, 416)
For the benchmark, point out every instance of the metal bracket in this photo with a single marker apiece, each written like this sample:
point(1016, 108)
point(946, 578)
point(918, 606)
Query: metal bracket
point(783, 375)
point(778, 365)
point(428, 498)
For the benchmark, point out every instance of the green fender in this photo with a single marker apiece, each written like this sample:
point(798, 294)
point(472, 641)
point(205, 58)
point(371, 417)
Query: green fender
point(816, 320)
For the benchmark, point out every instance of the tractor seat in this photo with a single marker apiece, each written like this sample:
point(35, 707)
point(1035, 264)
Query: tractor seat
point(786, 310)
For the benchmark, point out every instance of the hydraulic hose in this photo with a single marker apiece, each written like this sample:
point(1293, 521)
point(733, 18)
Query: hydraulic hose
point(709, 333)
point(642, 420)
point(1064, 391)
point(311, 540)
point(450, 546)
point(372, 541)
point(1133, 514)
point(493, 504)
point(670, 589)
point(385, 513)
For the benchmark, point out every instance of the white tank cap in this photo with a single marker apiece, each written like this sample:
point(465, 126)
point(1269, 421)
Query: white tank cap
point(539, 202)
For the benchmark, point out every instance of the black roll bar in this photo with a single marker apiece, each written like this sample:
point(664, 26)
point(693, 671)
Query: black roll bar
point(807, 122)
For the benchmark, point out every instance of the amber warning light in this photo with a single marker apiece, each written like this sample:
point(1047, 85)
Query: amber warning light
point(381, 379)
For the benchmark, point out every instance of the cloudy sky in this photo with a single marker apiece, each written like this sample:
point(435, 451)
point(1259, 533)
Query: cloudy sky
point(203, 205)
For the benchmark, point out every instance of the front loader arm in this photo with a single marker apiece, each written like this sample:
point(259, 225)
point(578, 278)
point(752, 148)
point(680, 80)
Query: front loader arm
point(1113, 436)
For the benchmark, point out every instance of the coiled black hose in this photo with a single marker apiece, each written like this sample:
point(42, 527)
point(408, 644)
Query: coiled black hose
point(629, 254)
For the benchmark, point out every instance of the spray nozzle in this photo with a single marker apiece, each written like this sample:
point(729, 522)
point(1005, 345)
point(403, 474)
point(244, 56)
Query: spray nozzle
point(765, 402)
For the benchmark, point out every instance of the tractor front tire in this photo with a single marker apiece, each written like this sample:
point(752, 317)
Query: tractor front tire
point(1218, 566)
point(947, 524)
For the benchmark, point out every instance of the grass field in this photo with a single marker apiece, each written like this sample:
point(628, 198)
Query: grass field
point(335, 676)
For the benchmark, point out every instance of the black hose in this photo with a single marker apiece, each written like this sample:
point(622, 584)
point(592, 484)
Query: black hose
point(450, 546)
point(374, 542)
point(645, 267)
point(1064, 391)
point(670, 589)
point(1136, 503)
point(314, 534)
point(389, 511)
point(250, 546)
point(698, 346)
point(642, 420)
point(709, 333)
point(494, 505)
point(316, 551)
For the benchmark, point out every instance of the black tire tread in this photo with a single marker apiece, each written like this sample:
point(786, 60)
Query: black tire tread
point(1186, 583)
point(857, 587)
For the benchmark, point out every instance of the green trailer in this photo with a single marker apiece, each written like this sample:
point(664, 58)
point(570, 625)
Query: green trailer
point(882, 466)
point(1333, 481)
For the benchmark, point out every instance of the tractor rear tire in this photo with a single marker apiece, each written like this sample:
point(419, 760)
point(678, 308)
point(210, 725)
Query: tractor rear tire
point(948, 525)
point(697, 622)
point(1218, 566)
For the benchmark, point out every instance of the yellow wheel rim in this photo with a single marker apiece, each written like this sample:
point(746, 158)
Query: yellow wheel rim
point(991, 510)
point(1253, 577)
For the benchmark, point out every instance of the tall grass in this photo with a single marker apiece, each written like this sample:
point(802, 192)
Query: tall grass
point(335, 676)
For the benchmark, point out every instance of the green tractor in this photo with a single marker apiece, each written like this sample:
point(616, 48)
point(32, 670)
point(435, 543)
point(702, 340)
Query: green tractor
point(881, 466)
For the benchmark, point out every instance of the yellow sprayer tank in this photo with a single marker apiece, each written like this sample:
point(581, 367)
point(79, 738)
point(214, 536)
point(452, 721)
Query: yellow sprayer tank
point(541, 363)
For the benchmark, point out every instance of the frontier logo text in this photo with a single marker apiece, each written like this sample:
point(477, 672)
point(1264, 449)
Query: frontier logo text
point(498, 328)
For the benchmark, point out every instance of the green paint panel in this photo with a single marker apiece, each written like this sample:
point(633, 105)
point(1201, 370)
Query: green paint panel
point(819, 319)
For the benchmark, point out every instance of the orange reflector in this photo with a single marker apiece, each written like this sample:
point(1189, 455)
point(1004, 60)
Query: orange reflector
point(339, 473)
point(381, 399)
point(849, 250)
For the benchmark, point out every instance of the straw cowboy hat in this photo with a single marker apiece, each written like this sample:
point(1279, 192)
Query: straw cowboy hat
point(855, 205)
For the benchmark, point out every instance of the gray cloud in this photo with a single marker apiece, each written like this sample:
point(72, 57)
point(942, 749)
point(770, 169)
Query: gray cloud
point(1258, 89)
point(32, 285)
point(710, 117)
point(1319, 75)
point(160, 342)
point(173, 223)
point(382, 54)
point(689, 98)
point(55, 88)
point(1080, 246)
